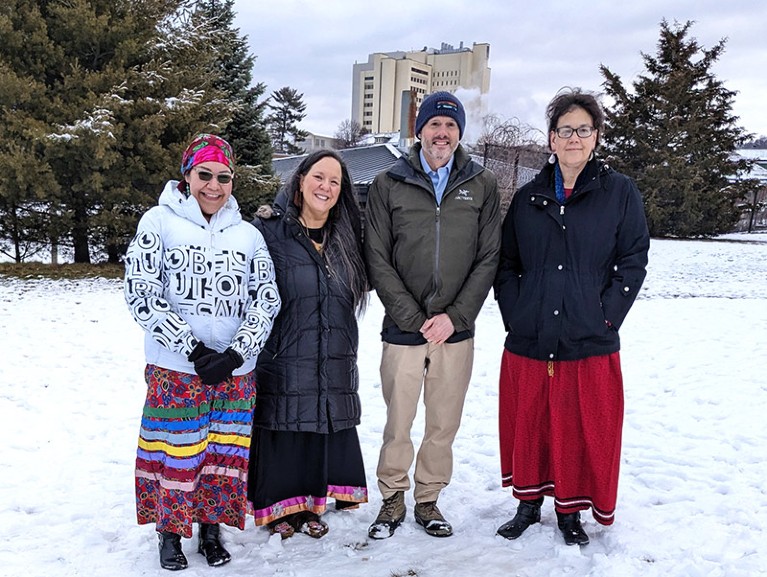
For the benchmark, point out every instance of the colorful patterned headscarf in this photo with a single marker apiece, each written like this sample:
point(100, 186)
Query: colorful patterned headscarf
point(207, 148)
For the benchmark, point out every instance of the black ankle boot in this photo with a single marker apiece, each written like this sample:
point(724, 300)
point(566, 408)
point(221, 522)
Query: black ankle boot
point(570, 525)
point(211, 547)
point(171, 555)
point(528, 512)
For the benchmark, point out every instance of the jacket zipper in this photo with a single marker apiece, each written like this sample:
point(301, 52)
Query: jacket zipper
point(455, 185)
point(437, 224)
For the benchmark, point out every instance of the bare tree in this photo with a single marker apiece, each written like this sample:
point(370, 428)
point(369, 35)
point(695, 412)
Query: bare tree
point(508, 132)
point(514, 152)
point(349, 134)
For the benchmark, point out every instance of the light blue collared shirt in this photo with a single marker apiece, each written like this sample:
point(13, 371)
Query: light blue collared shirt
point(438, 177)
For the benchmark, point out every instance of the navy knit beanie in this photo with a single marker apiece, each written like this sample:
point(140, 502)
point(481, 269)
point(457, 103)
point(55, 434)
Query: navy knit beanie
point(440, 104)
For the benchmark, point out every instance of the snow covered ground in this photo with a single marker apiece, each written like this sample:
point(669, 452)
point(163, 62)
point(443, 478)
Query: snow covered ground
point(693, 492)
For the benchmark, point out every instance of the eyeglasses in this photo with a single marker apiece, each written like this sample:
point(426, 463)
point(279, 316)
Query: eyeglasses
point(207, 176)
point(581, 131)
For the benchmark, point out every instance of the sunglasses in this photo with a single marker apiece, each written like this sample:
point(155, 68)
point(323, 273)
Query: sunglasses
point(207, 176)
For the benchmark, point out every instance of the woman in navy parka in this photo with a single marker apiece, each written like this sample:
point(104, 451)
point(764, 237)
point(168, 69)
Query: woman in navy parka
point(573, 257)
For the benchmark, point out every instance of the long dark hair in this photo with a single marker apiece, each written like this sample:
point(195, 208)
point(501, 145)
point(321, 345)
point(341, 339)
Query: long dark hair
point(344, 226)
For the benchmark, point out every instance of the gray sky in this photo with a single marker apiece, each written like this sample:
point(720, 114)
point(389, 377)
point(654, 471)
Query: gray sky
point(536, 47)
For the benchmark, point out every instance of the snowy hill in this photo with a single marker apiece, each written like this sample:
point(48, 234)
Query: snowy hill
point(692, 499)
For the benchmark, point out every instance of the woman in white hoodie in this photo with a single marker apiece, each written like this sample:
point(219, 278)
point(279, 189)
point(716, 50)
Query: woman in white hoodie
point(199, 280)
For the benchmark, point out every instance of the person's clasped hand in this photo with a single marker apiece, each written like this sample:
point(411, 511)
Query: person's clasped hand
point(213, 367)
point(438, 329)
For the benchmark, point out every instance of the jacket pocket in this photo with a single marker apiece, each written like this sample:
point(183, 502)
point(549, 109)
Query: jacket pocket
point(523, 312)
point(586, 316)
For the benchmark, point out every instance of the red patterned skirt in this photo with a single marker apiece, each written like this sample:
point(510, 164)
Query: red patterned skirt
point(192, 459)
point(560, 430)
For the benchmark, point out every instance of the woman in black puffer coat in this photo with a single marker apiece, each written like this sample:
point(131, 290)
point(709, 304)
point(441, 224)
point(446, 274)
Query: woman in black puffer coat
point(305, 448)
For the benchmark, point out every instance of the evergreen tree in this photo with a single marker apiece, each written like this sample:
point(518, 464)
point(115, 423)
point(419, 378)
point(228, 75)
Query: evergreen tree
point(288, 109)
point(27, 183)
point(246, 128)
point(675, 134)
point(114, 104)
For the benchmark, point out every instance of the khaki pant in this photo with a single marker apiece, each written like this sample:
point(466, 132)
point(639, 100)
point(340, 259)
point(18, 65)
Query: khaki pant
point(444, 372)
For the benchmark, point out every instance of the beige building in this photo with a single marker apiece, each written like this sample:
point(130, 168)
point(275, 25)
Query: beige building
point(383, 87)
point(316, 142)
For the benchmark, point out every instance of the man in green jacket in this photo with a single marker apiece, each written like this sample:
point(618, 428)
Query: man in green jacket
point(432, 241)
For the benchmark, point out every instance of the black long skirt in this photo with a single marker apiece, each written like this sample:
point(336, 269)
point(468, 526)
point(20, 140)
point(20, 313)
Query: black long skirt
point(290, 472)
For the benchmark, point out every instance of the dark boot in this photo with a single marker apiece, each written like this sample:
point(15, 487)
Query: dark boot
point(570, 525)
point(171, 555)
point(211, 547)
point(528, 512)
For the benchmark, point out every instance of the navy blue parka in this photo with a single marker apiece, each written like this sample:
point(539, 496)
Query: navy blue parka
point(569, 273)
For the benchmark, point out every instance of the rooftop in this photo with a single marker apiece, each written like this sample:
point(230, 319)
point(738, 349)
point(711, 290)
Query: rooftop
point(363, 162)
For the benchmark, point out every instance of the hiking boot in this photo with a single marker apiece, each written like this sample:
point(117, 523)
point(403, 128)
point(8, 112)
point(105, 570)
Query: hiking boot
point(528, 513)
point(429, 516)
point(570, 526)
point(390, 516)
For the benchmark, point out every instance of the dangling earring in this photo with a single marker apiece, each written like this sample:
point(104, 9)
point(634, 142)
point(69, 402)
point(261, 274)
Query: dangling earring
point(552, 158)
point(591, 156)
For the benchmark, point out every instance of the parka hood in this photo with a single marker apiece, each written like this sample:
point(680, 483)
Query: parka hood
point(186, 206)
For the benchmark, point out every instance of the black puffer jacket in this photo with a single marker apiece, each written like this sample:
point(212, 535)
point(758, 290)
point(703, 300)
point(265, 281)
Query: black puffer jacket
point(306, 375)
point(569, 273)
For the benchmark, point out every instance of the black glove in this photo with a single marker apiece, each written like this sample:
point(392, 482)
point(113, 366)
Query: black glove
point(199, 351)
point(217, 367)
